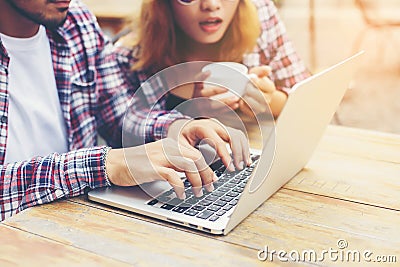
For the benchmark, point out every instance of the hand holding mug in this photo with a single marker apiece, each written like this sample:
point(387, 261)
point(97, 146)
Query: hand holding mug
point(224, 82)
point(261, 95)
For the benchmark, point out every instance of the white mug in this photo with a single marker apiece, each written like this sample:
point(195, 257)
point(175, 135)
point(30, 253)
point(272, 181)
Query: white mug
point(230, 75)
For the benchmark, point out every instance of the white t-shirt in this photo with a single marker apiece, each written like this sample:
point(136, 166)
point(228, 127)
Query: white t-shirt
point(36, 126)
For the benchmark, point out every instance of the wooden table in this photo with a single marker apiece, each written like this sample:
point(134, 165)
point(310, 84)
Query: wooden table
point(349, 191)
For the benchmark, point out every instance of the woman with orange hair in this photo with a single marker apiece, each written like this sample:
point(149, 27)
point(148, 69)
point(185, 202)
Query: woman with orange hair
point(170, 32)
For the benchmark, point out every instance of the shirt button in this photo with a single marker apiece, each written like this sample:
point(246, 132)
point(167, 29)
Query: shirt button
point(3, 119)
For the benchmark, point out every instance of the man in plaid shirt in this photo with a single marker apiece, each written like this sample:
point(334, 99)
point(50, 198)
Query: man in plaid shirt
point(49, 126)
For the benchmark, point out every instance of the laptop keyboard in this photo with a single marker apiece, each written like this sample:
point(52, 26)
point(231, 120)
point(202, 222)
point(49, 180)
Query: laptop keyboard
point(212, 205)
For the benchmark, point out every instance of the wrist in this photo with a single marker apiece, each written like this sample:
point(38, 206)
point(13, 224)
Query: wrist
point(116, 169)
point(106, 150)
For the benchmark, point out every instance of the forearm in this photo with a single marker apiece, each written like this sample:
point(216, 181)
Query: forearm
point(44, 179)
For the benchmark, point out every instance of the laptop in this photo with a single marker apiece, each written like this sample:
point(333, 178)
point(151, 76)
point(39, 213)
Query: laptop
point(310, 107)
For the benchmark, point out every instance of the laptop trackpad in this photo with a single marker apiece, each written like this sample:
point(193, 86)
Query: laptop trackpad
point(143, 192)
point(154, 189)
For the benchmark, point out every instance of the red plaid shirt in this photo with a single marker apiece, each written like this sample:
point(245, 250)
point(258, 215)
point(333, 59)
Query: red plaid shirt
point(93, 97)
point(273, 49)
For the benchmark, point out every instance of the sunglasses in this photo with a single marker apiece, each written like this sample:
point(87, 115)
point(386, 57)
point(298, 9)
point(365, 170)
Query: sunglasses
point(191, 2)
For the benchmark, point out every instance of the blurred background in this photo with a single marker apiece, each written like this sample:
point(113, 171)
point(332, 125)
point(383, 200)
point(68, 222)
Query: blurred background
point(325, 32)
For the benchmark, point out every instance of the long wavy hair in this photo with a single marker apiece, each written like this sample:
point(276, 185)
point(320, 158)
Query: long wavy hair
point(161, 42)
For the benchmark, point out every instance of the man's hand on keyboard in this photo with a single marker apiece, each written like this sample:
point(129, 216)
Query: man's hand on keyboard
point(159, 161)
point(211, 131)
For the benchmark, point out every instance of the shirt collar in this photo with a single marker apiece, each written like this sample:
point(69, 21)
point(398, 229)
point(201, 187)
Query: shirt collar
point(4, 58)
